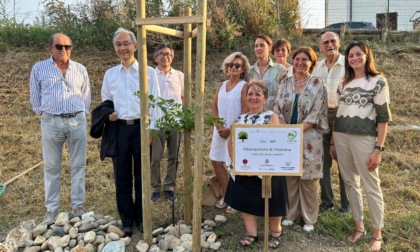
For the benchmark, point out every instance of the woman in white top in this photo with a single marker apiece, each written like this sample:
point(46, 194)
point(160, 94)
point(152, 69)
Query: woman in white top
point(228, 103)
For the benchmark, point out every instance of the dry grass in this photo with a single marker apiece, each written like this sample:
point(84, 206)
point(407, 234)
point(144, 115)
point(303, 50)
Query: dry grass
point(20, 148)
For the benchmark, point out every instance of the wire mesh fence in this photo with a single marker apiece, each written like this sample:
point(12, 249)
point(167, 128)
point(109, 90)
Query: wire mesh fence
point(398, 15)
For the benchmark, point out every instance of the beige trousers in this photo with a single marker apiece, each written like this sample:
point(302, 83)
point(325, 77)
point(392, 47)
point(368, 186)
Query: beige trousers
point(303, 199)
point(352, 153)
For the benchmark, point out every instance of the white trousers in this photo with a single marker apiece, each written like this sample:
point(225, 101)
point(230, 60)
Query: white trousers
point(352, 153)
point(55, 131)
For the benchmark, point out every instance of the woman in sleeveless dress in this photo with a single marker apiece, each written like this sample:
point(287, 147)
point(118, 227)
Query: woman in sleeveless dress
point(244, 193)
point(229, 102)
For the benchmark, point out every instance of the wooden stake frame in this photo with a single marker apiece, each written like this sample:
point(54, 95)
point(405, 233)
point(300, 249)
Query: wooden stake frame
point(142, 24)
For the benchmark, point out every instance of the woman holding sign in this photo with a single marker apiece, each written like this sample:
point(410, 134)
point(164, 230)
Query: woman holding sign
point(244, 193)
point(302, 99)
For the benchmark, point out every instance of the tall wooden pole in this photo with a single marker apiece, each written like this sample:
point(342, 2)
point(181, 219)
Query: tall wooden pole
point(187, 134)
point(199, 123)
point(144, 123)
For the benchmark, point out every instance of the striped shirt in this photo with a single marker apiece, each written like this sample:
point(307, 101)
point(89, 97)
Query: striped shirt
point(55, 93)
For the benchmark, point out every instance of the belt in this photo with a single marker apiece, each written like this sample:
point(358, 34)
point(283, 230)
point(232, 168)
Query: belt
point(68, 115)
point(129, 122)
point(331, 110)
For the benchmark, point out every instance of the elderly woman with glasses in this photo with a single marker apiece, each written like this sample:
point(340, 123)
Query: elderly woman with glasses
point(229, 102)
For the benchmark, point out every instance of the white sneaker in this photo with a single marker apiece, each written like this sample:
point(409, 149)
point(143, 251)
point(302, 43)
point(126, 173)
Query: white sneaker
point(287, 223)
point(308, 228)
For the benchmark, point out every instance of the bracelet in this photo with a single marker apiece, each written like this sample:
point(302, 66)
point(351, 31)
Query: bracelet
point(331, 144)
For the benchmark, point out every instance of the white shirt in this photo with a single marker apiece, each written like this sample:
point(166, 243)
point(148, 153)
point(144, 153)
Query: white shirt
point(119, 85)
point(171, 84)
point(331, 78)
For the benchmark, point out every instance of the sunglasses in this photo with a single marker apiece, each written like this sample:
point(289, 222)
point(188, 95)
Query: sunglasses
point(60, 47)
point(236, 65)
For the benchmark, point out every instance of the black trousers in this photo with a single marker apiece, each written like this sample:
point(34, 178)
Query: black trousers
point(127, 166)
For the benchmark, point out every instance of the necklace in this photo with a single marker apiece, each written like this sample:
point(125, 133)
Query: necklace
point(301, 83)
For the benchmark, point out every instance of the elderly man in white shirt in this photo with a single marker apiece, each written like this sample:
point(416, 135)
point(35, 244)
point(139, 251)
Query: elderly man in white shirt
point(119, 84)
point(331, 70)
point(171, 85)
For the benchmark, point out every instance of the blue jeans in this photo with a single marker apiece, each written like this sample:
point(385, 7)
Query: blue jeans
point(55, 131)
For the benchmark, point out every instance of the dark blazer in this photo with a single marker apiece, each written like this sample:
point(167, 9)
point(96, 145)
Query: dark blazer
point(102, 127)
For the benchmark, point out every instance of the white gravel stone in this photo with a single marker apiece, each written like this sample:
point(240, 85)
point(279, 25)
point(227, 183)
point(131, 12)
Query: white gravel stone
point(157, 231)
point(179, 249)
point(89, 237)
point(186, 237)
point(212, 238)
point(39, 240)
point(210, 223)
point(220, 218)
point(215, 245)
point(142, 246)
point(62, 219)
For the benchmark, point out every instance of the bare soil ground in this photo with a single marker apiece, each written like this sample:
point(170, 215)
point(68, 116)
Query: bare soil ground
point(20, 148)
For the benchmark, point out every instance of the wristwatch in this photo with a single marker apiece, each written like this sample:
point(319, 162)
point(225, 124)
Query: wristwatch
point(380, 148)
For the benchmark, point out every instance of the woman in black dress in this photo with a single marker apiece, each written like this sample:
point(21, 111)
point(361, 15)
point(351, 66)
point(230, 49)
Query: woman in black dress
point(244, 193)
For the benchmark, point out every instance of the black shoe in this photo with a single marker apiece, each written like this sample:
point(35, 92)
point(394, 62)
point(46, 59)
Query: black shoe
point(140, 226)
point(325, 207)
point(170, 196)
point(128, 232)
point(155, 196)
point(344, 210)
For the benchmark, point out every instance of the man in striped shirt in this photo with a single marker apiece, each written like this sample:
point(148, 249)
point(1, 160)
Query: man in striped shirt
point(60, 93)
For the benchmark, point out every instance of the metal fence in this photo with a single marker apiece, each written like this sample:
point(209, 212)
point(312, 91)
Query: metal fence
point(399, 15)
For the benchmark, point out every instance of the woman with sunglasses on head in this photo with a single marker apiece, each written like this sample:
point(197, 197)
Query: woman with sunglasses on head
point(360, 130)
point(229, 102)
point(281, 51)
point(302, 99)
point(265, 69)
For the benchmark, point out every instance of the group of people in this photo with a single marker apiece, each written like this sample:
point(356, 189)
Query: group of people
point(342, 103)
point(60, 93)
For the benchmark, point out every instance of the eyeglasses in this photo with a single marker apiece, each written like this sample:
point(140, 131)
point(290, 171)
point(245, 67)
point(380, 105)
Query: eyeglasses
point(236, 65)
point(125, 44)
point(60, 47)
point(165, 54)
point(332, 41)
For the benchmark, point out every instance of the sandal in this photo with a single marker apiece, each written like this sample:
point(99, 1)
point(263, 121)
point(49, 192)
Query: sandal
point(274, 241)
point(357, 234)
point(375, 239)
point(220, 203)
point(248, 240)
point(231, 210)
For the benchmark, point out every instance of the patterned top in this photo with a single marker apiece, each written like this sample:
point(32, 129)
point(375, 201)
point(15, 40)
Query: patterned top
point(312, 108)
point(260, 118)
point(272, 76)
point(362, 104)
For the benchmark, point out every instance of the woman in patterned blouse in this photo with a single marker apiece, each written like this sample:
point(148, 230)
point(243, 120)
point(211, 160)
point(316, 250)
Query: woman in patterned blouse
point(359, 136)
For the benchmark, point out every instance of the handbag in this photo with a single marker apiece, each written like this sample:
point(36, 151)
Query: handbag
point(211, 192)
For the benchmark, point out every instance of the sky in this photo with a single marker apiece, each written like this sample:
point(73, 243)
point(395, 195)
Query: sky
point(27, 10)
